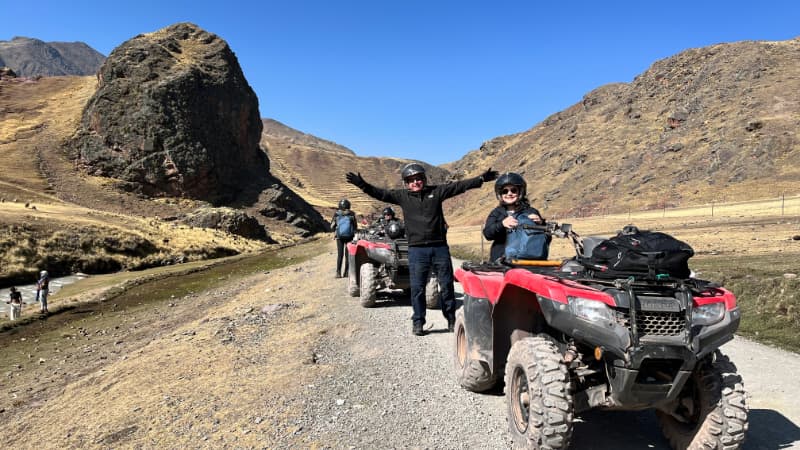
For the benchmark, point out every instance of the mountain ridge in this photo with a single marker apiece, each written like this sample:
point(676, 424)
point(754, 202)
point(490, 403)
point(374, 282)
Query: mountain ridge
point(29, 57)
point(708, 124)
point(711, 124)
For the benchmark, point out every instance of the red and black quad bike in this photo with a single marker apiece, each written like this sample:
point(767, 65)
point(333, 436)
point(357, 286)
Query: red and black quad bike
point(565, 339)
point(378, 259)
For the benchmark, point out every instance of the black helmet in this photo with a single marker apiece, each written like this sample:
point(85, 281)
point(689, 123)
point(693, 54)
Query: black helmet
point(413, 169)
point(388, 210)
point(513, 179)
point(344, 204)
point(394, 230)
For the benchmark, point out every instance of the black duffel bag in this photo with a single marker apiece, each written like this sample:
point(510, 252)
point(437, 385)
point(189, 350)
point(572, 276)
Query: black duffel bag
point(649, 254)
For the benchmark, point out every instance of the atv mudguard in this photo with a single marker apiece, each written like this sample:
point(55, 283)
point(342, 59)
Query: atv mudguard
point(502, 307)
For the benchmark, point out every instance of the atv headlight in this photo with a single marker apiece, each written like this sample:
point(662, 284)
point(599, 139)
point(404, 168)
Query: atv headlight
point(591, 310)
point(708, 314)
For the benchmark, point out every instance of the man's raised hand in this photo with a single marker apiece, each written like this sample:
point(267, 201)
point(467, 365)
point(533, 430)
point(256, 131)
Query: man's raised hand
point(489, 175)
point(355, 179)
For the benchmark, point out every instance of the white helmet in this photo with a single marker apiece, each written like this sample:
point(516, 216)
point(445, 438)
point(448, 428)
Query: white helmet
point(43, 273)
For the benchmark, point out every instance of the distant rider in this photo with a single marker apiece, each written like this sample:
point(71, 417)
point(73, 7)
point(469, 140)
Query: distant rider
point(387, 218)
point(344, 227)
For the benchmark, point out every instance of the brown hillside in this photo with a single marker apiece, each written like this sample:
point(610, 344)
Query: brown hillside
point(719, 123)
point(54, 217)
point(315, 169)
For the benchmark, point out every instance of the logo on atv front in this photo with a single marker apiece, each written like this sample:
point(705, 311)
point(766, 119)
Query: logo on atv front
point(659, 304)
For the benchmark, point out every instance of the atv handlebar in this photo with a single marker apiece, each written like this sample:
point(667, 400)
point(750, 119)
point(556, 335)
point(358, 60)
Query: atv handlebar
point(563, 230)
point(553, 228)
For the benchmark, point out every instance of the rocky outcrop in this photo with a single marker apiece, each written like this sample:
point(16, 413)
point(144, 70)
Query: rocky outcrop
point(174, 116)
point(281, 203)
point(229, 220)
point(7, 72)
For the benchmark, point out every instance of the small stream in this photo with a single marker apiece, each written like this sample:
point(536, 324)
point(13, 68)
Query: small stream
point(29, 290)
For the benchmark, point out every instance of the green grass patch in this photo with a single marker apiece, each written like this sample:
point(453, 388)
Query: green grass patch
point(468, 253)
point(767, 299)
point(158, 285)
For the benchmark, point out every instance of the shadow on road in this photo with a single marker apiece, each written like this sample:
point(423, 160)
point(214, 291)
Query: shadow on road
point(629, 430)
point(771, 430)
point(622, 430)
point(388, 299)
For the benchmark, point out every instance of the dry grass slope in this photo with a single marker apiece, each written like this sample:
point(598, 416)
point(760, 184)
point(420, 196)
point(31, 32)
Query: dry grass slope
point(47, 203)
point(720, 123)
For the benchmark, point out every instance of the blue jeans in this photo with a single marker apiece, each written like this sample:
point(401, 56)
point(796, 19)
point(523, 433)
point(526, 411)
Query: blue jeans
point(421, 262)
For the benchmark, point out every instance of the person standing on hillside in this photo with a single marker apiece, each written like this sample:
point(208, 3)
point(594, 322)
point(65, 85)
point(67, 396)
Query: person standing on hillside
point(344, 227)
point(14, 303)
point(511, 190)
point(426, 231)
point(42, 289)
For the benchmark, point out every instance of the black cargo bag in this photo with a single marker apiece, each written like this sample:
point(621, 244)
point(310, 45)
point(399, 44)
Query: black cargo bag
point(653, 255)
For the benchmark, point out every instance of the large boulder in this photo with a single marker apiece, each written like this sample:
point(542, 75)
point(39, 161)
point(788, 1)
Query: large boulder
point(6, 72)
point(230, 220)
point(174, 116)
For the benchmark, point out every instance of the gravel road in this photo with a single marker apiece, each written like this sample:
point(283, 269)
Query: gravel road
point(286, 359)
point(394, 390)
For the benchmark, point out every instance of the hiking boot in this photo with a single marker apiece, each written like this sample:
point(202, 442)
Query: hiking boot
point(417, 329)
point(451, 325)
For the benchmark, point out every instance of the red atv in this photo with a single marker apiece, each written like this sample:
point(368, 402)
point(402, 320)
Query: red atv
point(567, 339)
point(378, 259)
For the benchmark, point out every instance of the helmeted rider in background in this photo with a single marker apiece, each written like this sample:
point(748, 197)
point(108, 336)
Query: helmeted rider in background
point(426, 231)
point(387, 218)
point(344, 227)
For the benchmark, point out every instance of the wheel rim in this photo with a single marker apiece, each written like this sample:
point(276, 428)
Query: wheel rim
point(461, 347)
point(520, 400)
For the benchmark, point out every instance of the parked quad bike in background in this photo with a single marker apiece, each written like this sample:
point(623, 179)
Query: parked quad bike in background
point(565, 339)
point(379, 260)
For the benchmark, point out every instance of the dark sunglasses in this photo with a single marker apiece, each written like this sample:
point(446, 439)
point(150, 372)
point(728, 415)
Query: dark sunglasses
point(512, 190)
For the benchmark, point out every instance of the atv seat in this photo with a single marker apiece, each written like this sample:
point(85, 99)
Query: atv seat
point(536, 262)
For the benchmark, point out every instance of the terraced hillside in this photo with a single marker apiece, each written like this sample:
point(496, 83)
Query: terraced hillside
point(315, 169)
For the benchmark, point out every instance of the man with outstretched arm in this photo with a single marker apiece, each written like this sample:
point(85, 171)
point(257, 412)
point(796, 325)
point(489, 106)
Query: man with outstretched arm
point(426, 231)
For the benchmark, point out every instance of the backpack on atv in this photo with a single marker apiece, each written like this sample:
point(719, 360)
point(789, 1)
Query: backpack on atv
point(640, 254)
point(526, 241)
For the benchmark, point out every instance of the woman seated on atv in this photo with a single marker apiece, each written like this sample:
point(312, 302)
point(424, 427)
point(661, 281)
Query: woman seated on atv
point(510, 189)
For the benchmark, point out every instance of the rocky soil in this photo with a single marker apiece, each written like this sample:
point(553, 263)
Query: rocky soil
point(285, 359)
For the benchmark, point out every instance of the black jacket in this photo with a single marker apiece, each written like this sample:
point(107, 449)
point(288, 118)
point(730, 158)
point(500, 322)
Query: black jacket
point(422, 211)
point(494, 230)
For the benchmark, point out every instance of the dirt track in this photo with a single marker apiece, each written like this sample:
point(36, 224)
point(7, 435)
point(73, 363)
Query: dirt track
point(286, 359)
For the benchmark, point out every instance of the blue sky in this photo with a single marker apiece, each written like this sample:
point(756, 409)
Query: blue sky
point(427, 80)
